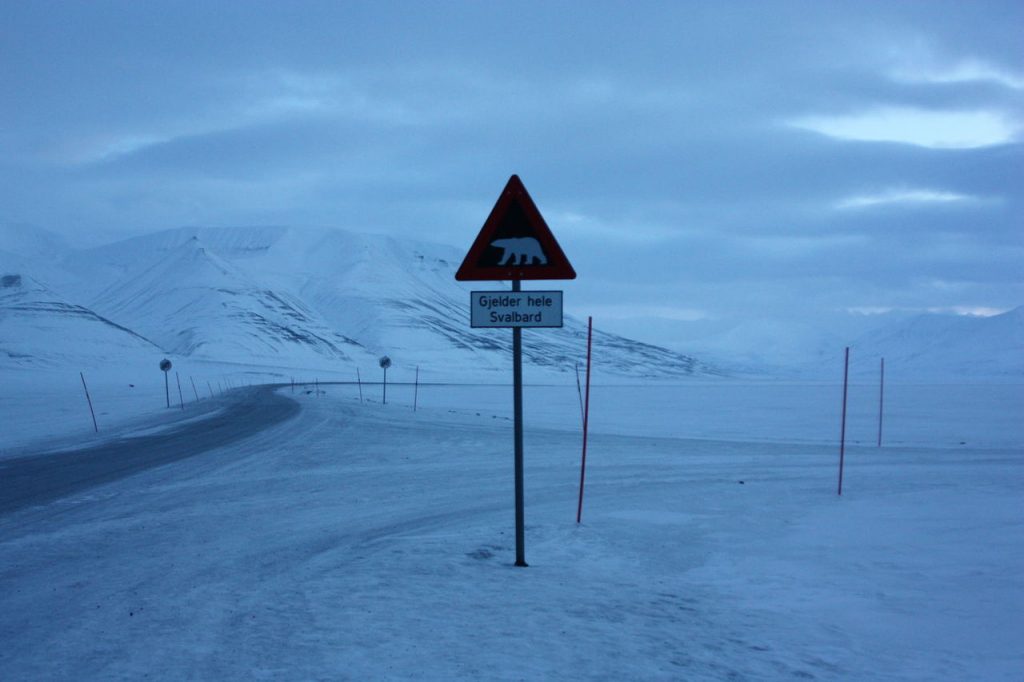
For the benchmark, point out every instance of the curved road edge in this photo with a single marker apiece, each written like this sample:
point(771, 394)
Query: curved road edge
point(40, 479)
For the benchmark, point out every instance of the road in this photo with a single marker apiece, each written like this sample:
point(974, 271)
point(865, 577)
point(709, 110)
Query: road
point(39, 479)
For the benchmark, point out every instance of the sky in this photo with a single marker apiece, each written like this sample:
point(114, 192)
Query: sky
point(696, 160)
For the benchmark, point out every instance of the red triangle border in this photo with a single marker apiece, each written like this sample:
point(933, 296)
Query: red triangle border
point(557, 267)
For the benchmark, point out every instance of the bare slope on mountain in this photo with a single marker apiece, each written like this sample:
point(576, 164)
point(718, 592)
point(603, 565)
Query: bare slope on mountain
point(39, 327)
point(307, 297)
point(195, 303)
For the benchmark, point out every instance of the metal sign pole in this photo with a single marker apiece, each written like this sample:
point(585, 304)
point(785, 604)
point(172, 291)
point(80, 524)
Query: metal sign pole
point(165, 367)
point(385, 362)
point(517, 402)
point(515, 244)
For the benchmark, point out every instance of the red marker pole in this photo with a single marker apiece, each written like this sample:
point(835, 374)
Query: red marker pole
point(842, 431)
point(881, 401)
point(586, 419)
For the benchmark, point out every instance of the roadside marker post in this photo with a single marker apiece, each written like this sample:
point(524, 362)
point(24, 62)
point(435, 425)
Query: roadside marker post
point(416, 389)
point(181, 398)
point(586, 419)
point(515, 244)
point(89, 400)
point(842, 430)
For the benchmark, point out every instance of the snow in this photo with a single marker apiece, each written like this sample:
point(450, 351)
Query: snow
point(304, 299)
point(924, 347)
point(51, 405)
point(363, 541)
point(47, 408)
point(366, 541)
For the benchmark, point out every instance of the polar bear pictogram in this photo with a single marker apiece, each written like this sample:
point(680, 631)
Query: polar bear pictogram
point(520, 251)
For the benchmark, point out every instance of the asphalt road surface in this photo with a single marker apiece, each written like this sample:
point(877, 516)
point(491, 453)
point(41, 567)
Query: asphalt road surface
point(38, 479)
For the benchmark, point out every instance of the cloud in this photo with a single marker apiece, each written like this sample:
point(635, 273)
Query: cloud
point(102, 148)
point(970, 70)
point(633, 311)
point(966, 310)
point(920, 127)
point(667, 148)
point(976, 311)
point(903, 197)
point(577, 225)
point(249, 99)
point(785, 246)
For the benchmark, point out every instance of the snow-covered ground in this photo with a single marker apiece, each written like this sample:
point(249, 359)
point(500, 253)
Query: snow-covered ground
point(362, 541)
point(42, 409)
point(51, 405)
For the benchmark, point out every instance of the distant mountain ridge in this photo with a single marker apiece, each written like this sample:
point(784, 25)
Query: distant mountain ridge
point(949, 346)
point(916, 346)
point(332, 298)
point(287, 297)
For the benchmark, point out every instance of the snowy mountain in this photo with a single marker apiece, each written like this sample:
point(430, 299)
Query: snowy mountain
point(932, 346)
point(25, 241)
point(38, 327)
point(762, 346)
point(332, 299)
point(192, 302)
point(305, 299)
point(948, 346)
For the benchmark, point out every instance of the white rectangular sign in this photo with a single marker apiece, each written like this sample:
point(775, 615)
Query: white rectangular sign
point(515, 309)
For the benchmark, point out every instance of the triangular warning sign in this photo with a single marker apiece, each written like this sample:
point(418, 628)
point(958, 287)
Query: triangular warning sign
point(515, 243)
